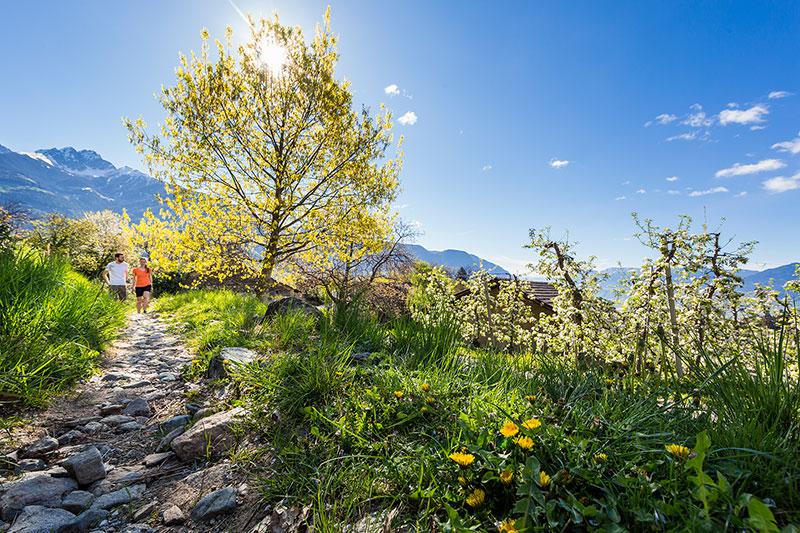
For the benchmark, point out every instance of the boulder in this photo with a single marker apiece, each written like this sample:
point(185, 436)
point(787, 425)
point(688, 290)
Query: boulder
point(40, 448)
point(212, 434)
point(86, 467)
point(137, 407)
point(77, 501)
point(218, 366)
point(39, 519)
point(213, 504)
point(289, 304)
point(38, 489)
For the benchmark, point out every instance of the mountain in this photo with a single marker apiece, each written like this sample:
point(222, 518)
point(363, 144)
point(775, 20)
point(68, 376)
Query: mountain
point(452, 260)
point(71, 181)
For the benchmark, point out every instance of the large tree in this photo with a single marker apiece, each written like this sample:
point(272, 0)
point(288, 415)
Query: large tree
point(264, 156)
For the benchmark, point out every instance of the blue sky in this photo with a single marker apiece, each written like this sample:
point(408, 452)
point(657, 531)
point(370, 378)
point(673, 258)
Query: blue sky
point(528, 114)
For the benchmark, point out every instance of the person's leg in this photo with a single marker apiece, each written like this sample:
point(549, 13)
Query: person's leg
point(146, 301)
point(138, 304)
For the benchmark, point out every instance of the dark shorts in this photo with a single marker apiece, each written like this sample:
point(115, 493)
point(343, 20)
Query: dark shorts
point(141, 290)
point(120, 291)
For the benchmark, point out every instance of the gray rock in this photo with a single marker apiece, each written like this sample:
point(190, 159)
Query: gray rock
point(30, 465)
point(144, 511)
point(178, 421)
point(212, 434)
point(75, 422)
point(165, 443)
point(85, 521)
point(204, 412)
point(109, 409)
point(137, 407)
point(39, 519)
point(40, 448)
point(226, 358)
point(119, 497)
point(138, 384)
point(86, 467)
point(116, 420)
point(118, 478)
point(213, 504)
point(168, 376)
point(93, 428)
point(155, 459)
point(129, 426)
point(289, 304)
point(69, 437)
point(173, 515)
point(38, 489)
point(77, 501)
point(192, 408)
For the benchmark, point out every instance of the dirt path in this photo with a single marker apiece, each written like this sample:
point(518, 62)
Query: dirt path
point(101, 458)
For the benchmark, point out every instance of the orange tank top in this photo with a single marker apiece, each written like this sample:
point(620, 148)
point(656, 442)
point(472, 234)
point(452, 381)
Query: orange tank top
point(142, 277)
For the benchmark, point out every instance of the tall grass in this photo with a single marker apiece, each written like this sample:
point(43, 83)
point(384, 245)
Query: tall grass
point(53, 323)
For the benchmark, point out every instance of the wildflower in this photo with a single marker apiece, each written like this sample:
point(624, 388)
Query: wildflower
point(544, 479)
point(507, 526)
point(681, 452)
point(530, 397)
point(509, 429)
point(531, 423)
point(526, 443)
point(423, 410)
point(398, 394)
point(609, 382)
point(506, 476)
point(476, 498)
point(425, 387)
point(463, 481)
point(600, 457)
point(462, 459)
point(429, 399)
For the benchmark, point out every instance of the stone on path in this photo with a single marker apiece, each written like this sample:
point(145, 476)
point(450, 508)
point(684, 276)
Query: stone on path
point(69, 437)
point(213, 504)
point(119, 497)
point(137, 407)
point(40, 448)
point(77, 501)
point(231, 356)
point(85, 521)
point(39, 519)
point(211, 435)
point(86, 467)
point(155, 459)
point(109, 409)
point(173, 515)
point(38, 489)
point(93, 427)
point(30, 465)
point(165, 443)
point(129, 426)
point(116, 420)
point(177, 421)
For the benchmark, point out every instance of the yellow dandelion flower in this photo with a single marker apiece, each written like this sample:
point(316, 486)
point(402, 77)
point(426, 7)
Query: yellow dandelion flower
point(425, 387)
point(462, 459)
point(398, 394)
point(506, 477)
point(531, 423)
point(429, 399)
point(463, 481)
point(507, 526)
point(423, 409)
point(526, 443)
point(530, 397)
point(600, 457)
point(476, 498)
point(681, 452)
point(544, 479)
point(509, 429)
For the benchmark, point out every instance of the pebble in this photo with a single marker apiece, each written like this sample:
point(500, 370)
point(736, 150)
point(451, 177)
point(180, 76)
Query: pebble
point(173, 515)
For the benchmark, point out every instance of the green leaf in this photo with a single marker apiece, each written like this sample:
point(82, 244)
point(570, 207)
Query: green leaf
point(761, 518)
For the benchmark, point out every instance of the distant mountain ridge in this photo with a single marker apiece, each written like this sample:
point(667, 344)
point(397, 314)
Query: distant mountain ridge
point(70, 181)
point(454, 259)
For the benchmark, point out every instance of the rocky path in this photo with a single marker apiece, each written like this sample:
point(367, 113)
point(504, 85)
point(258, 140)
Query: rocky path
point(130, 450)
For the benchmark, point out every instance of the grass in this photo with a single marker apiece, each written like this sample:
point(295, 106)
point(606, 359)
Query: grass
point(358, 441)
point(53, 324)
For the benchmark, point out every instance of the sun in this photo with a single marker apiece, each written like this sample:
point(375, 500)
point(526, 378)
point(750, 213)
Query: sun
point(271, 55)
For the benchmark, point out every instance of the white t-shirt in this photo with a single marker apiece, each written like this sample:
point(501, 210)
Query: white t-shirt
point(117, 273)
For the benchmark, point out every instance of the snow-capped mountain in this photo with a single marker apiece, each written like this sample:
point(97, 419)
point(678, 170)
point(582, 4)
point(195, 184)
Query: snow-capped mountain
point(73, 181)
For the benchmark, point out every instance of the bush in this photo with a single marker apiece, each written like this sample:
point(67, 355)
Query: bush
point(53, 324)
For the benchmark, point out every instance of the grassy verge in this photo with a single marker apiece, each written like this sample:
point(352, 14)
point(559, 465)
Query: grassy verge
point(446, 438)
point(53, 324)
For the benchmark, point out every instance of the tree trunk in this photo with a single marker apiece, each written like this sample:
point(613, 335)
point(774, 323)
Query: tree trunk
point(673, 319)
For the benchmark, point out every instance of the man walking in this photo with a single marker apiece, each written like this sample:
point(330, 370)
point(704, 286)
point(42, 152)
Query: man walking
point(116, 275)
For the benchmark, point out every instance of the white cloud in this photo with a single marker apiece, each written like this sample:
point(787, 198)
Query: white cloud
point(663, 118)
point(765, 165)
point(692, 135)
point(620, 198)
point(486, 168)
point(695, 107)
point(672, 178)
point(409, 119)
point(713, 190)
point(673, 192)
point(741, 194)
point(392, 89)
point(626, 182)
point(774, 95)
point(752, 115)
point(558, 163)
point(756, 128)
point(792, 146)
point(781, 184)
point(641, 191)
point(698, 120)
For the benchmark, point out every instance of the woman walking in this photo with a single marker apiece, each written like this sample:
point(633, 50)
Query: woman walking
point(143, 285)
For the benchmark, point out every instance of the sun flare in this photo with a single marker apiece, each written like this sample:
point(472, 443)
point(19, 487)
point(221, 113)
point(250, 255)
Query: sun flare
point(271, 55)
